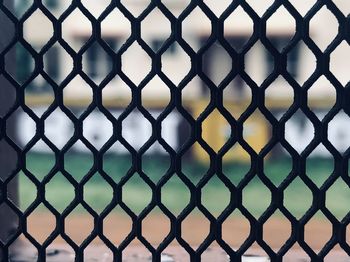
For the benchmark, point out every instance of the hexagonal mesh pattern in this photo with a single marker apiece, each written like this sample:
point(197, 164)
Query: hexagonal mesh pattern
point(138, 77)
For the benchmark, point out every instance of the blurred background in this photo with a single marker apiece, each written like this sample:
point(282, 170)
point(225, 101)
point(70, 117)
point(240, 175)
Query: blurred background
point(218, 62)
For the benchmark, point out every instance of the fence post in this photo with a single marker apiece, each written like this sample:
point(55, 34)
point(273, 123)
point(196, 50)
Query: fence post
point(7, 159)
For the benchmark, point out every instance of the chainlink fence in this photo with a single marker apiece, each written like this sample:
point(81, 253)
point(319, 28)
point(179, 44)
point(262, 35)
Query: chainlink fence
point(194, 133)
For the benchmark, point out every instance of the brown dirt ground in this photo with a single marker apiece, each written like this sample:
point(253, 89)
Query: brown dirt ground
point(194, 230)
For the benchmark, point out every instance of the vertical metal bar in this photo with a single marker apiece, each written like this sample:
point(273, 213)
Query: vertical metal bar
point(7, 159)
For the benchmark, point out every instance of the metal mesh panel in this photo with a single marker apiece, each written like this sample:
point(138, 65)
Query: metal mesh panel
point(236, 49)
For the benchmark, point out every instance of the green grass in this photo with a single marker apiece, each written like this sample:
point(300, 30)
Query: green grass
point(175, 195)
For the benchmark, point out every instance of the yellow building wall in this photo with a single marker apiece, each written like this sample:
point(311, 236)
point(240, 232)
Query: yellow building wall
point(216, 131)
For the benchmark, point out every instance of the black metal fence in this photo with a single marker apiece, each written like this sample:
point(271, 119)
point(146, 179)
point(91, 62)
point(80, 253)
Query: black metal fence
point(198, 69)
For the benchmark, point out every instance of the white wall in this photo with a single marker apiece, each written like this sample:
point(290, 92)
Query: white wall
point(322, 30)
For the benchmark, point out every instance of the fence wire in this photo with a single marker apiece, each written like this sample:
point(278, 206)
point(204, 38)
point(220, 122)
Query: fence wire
point(216, 90)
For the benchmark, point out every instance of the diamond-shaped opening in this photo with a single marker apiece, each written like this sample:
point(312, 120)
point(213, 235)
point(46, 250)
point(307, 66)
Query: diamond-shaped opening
point(195, 89)
point(117, 161)
point(339, 61)
point(337, 252)
point(27, 191)
point(40, 160)
point(70, 28)
point(237, 97)
point(217, 63)
point(209, 255)
point(236, 164)
point(277, 223)
point(41, 223)
point(10, 30)
point(155, 36)
point(321, 97)
point(156, 221)
point(235, 229)
point(131, 59)
point(196, 23)
point(58, 121)
point(195, 163)
point(31, 250)
point(37, 38)
point(136, 194)
point(97, 63)
point(78, 160)
point(115, 29)
point(319, 165)
point(326, 21)
point(336, 197)
point(176, 7)
point(104, 253)
point(299, 131)
point(39, 86)
point(218, 7)
point(8, 159)
point(260, 7)
point(96, 8)
point(97, 136)
point(21, 119)
point(6, 211)
point(257, 131)
point(116, 94)
point(131, 127)
point(176, 63)
point(280, 21)
point(343, 6)
point(296, 253)
point(175, 195)
point(172, 249)
point(8, 90)
point(195, 228)
point(55, 56)
point(156, 162)
point(79, 224)
point(348, 234)
point(77, 87)
point(22, 57)
point(98, 193)
point(318, 231)
point(59, 192)
point(55, 8)
point(155, 86)
point(253, 191)
point(277, 165)
point(303, 6)
point(301, 62)
point(117, 225)
point(279, 94)
point(238, 28)
point(216, 130)
point(18, 8)
point(215, 196)
point(255, 253)
point(136, 251)
point(260, 63)
point(135, 8)
point(297, 198)
point(337, 134)
point(68, 253)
